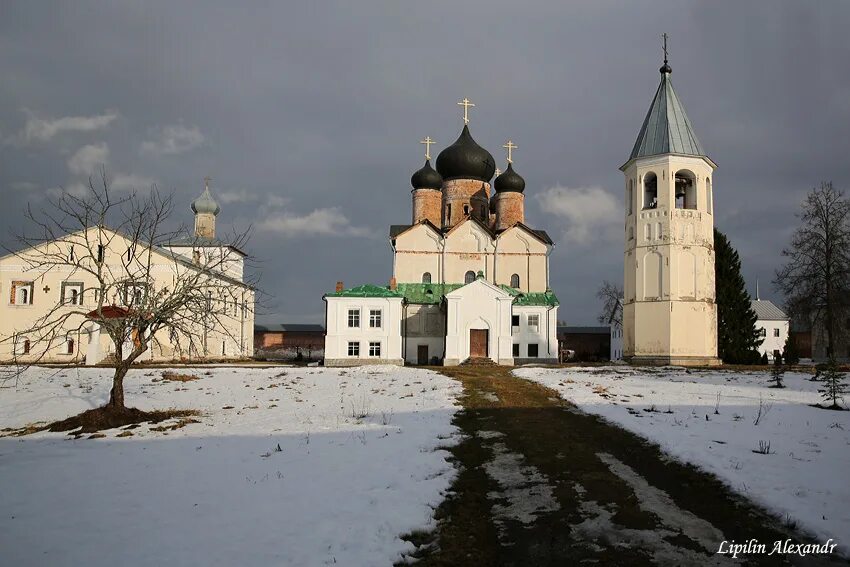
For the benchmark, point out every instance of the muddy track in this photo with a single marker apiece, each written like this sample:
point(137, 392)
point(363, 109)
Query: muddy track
point(541, 483)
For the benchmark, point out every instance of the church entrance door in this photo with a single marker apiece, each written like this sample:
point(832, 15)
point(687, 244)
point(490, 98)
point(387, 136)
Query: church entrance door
point(478, 343)
point(422, 355)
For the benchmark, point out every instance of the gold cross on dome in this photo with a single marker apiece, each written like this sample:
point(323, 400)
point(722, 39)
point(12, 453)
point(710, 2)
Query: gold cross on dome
point(498, 172)
point(510, 146)
point(465, 104)
point(207, 182)
point(427, 141)
point(664, 37)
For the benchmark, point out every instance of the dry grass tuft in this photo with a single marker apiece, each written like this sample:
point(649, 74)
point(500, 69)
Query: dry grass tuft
point(175, 377)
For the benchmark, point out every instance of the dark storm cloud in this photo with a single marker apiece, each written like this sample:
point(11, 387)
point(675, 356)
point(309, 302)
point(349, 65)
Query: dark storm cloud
point(308, 115)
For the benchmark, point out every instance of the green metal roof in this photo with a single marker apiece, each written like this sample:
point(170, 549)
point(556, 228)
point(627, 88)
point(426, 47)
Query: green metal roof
point(666, 128)
point(367, 290)
point(545, 299)
point(426, 294)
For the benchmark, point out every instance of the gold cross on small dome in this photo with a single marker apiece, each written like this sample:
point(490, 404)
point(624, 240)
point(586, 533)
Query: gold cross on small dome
point(465, 104)
point(427, 141)
point(207, 182)
point(510, 146)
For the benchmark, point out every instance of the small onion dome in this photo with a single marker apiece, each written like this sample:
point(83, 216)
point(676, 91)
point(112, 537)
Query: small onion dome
point(465, 159)
point(205, 204)
point(426, 178)
point(510, 180)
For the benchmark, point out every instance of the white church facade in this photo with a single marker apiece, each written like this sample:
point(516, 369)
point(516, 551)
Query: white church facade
point(470, 278)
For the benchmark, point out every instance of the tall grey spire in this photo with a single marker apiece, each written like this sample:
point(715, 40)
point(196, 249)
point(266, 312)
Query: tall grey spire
point(666, 128)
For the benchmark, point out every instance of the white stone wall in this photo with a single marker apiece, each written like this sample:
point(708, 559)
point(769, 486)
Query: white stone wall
point(545, 336)
point(339, 334)
point(772, 342)
point(479, 305)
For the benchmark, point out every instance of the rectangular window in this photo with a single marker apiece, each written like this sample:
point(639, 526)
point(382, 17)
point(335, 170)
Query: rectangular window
point(515, 352)
point(72, 293)
point(21, 293)
point(100, 253)
point(775, 332)
point(514, 320)
point(534, 323)
point(374, 349)
point(353, 318)
point(375, 318)
point(134, 294)
point(762, 332)
point(532, 350)
point(353, 349)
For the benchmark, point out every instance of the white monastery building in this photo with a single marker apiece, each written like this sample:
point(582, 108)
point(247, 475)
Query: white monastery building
point(32, 292)
point(774, 326)
point(669, 313)
point(470, 278)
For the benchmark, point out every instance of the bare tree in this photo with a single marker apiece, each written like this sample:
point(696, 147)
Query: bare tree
point(132, 287)
point(611, 296)
point(816, 279)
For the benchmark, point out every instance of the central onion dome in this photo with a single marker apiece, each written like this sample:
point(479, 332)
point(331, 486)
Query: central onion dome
point(510, 180)
point(465, 159)
point(205, 204)
point(426, 178)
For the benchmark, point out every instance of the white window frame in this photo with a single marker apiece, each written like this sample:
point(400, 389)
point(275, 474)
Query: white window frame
point(353, 346)
point(353, 313)
point(27, 287)
point(776, 332)
point(535, 327)
point(375, 349)
point(376, 318)
point(528, 350)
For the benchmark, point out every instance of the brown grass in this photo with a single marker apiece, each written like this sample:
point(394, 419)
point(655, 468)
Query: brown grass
point(176, 377)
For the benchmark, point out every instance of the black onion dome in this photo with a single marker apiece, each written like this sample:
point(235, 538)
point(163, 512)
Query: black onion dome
point(426, 178)
point(465, 159)
point(510, 180)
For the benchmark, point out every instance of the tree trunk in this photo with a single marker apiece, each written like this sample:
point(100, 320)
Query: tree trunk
point(116, 396)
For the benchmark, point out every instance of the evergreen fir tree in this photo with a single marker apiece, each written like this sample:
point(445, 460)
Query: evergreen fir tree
point(776, 373)
point(737, 337)
point(790, 352)
point(834, 387)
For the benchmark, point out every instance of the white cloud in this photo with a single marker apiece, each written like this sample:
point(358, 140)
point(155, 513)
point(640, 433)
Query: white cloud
point(44, 129)
point(75, 189)
point(173, 140)
point(591, 213)
point(236, 196)
point(276, 201)
point(130, 182)
point(24, 186)
point(88, 158)
point(329, 221)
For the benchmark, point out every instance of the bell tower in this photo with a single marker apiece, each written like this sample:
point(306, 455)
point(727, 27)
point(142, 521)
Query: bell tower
point(669, 311)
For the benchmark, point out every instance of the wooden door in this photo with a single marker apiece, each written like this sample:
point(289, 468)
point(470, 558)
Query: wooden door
point(478, 343)
point(422, 355)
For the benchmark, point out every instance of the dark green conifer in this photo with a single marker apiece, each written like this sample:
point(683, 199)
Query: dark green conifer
point(737, 336)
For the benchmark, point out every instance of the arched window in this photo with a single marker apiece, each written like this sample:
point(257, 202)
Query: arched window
point(70, 345)
point(426, 277)
point(469, 277)
point(631, 195)
point(22, 345)
point(708, 203)
point(686, 190)
point(25, 296)
point(650, 191)
point(515, 281)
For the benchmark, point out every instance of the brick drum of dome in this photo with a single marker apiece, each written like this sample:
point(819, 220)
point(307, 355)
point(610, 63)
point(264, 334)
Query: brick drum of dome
point(510, 209)
point(427, 204)
point(472, 193)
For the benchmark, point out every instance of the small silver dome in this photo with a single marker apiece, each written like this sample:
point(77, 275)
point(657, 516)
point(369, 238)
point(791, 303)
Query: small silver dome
point(205, 204)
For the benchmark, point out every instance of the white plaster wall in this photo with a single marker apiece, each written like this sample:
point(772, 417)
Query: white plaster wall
point(546, 336)
point(771, 342)
point(339, 334)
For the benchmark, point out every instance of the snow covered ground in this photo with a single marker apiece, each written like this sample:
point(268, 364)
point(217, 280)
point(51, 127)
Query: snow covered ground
point(803, 478)
point(359, 464)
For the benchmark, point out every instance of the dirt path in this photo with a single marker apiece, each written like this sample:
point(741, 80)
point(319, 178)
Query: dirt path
point(543, 484)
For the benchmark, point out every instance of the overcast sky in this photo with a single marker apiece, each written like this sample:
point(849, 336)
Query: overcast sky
point(307, 115)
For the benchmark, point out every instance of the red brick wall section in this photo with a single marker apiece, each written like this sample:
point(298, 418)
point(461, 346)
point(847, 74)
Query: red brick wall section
point(460, 192)
point(510, 209)
point(427, 205)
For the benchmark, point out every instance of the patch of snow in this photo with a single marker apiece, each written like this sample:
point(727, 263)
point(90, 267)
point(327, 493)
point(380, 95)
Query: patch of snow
point(360, 463)
point(802, 479)
point(525, 492)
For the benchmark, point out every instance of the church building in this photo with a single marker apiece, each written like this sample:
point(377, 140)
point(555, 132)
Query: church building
point(669, 310)
point(470, 278)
